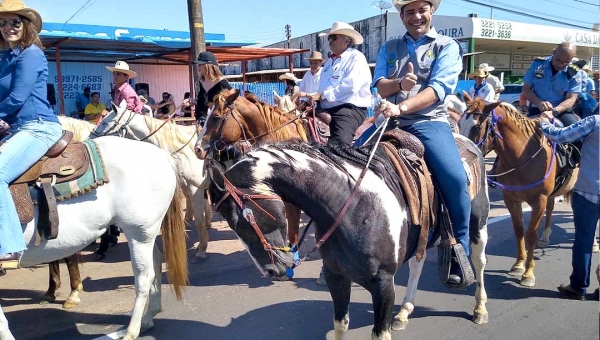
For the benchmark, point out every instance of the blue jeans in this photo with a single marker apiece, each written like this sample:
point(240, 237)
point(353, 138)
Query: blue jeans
point(585, 217)
point(25, 145)
point(443, 160)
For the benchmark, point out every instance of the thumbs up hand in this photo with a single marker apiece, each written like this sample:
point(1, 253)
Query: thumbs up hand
point(409, 80)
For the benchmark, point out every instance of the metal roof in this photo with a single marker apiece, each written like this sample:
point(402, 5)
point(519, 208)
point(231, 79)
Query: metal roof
point(105, 44)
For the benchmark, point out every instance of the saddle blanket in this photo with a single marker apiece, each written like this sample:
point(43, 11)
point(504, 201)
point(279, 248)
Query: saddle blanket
point(95, 176)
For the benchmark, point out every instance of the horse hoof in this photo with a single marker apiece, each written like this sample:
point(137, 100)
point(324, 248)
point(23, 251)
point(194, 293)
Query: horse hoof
point(147, 326)
point(516, 271)
point(480, 318)
point(596, 248)
point(542, 244)
point(399, 325)
point(46, 299)
point(528, 281)
point(99, 257)
point(198, 259)
point(70, 304)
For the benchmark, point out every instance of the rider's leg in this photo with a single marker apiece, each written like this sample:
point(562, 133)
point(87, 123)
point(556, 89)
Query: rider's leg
point(568, 118)
point(443, 160)
point(26, 145)
point(345, 119)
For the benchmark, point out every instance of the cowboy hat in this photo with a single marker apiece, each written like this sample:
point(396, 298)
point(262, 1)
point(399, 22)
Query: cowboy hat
point(587, 69)
point(401, 3)
point(19, 8)
point(289, 76)
point(345, 29)
point(143, 99)
point(315, 55)
point(123, 67)
point(596, 72)
point(479, 73)
point(486, 67)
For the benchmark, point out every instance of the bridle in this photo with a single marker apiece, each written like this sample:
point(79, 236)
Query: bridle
point(492, 122)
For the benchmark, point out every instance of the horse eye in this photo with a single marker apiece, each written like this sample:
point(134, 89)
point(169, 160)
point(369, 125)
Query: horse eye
point(216, 118)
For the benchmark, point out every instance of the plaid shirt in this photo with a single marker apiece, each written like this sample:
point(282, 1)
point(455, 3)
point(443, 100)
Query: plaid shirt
point(573, 133)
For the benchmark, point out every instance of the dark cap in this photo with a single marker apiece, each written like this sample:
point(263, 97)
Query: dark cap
point(206, 58)
point(87, 89)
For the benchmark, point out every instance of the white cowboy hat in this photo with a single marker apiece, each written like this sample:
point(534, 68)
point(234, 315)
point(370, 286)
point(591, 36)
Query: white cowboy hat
point(19, 8)
point(289, 76)
point(401, 3)
point(315, 55)
point(123, 67)
point(486, 67)
point(479, 73)
point(343, 28)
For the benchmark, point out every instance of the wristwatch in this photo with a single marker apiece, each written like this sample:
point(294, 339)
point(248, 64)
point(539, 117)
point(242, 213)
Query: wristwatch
point(403, 108)
point(555, 112)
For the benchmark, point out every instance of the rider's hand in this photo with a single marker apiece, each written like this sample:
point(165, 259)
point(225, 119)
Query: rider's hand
point(315, 96)
point(546, 115)
point(545, 106)
point(409, 80)
point(389, 109)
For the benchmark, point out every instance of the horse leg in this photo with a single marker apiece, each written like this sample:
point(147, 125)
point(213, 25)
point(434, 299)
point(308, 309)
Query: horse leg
point(480, 313)
point(339, 288)
point(292, 214)
point(53, 282)
point(383, 294)
point(154, 301)
point(208, 212)
point(189, 211)
point(199, 208)
point(104, 242)
point(516, 215)
point(75, 279)
point(545, 239)
point(415, 267)
point(142, 262)
point(5, 333)
point(537, 212)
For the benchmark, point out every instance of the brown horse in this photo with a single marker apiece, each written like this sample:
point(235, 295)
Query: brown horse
point(526, 171)
point(237, 123)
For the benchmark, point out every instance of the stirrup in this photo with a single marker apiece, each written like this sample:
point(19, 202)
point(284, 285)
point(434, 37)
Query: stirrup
point(445, 252)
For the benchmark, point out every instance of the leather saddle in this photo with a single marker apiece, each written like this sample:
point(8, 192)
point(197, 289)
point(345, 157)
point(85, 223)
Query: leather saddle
point(406, 154)
point(65, 161)
point(318, 124)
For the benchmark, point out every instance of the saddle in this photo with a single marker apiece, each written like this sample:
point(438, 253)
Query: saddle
point(318, 124)
point(568, 156)
point(66, 160)
point(406, 154)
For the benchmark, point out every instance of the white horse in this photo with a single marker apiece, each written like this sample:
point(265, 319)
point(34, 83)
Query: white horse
point(139, 204)
point(178, 140)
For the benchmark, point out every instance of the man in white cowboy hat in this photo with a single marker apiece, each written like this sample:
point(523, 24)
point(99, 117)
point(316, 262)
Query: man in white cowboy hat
point(492, 80)
point(344, 85)
point(123, 91)
point(310, 81)
point(481, 88)
point(416, 72)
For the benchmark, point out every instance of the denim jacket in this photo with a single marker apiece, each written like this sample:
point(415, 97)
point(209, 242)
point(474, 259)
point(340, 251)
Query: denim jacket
point(23, 89)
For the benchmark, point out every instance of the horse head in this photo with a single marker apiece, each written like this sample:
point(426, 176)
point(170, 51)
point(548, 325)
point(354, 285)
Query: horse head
point(287, 103)
point(226, 125)
point(477, 120)
point(115, 122)
point(254, 213)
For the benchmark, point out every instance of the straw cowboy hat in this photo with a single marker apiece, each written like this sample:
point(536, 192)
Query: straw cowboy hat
point(19, 8)
point(486, 67)
point(289, 76)
point(315, 55)
point(123, 67)
point(479, 73)
point(596, 72)
point(343, 28)
point(587, 69)
point(401, 3)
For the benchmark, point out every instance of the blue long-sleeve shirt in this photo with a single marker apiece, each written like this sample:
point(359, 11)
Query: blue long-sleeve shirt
point(587, 130)
point(23, 89)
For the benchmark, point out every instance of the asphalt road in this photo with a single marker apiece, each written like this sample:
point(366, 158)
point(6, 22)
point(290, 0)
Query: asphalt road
point(228, 299)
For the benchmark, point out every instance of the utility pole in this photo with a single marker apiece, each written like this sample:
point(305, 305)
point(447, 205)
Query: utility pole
point(196, 35)
point(288, 34)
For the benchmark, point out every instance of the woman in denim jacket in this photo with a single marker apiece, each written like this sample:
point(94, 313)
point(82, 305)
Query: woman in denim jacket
point(34, 128)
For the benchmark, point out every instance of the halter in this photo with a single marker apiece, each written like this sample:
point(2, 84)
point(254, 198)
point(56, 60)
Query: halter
point(492, 122)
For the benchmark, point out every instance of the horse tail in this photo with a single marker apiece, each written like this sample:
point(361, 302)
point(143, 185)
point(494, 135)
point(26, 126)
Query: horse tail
point(174, 245)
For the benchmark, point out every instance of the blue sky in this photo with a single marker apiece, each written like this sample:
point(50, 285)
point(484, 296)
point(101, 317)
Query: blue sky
point(264, 20)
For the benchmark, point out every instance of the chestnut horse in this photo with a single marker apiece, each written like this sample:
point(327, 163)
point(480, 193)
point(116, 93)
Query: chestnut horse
point(237, 123)
point(526, 171)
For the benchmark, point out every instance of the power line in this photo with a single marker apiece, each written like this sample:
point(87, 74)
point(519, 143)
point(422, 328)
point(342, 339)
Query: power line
point(528, 11)
point(80, 10)
point(527, 15)
point(587, 3)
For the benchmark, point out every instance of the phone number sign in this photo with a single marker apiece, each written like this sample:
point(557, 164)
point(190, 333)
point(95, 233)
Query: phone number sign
point(495, 29)
point(74, 85)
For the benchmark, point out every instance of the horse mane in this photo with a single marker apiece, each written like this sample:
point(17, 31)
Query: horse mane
point(81, 129)
point(336, 155)
point(529, 127)
point(171, 136)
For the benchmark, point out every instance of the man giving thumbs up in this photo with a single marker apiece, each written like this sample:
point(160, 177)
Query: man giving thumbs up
point(415, 73)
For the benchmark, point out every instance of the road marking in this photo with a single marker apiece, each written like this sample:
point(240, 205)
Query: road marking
point(121, 333)
point(503, 217)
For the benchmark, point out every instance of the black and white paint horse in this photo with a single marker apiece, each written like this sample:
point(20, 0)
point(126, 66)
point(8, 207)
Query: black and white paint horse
point(370, 244)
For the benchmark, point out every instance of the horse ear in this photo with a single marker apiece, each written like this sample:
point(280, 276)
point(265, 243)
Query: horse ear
point(232, 96)
point(467, 98)
point(277, 97)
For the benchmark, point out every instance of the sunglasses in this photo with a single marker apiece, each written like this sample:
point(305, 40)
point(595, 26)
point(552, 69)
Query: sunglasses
point(332, 37)
point(16, 23)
